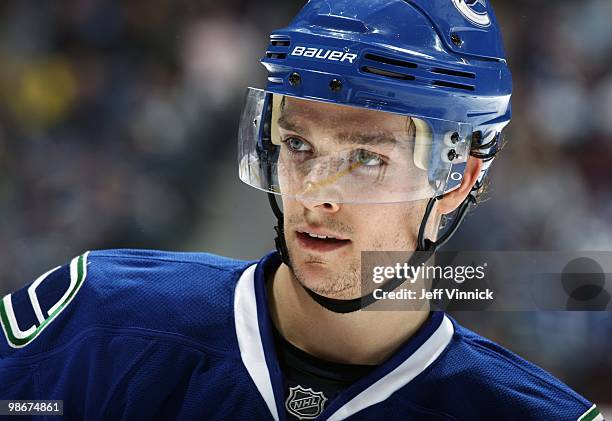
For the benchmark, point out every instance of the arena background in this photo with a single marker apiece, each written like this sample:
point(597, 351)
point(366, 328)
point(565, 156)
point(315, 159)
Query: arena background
point(118, 129)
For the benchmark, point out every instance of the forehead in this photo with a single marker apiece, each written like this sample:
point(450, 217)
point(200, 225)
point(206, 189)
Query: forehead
point(309, 115)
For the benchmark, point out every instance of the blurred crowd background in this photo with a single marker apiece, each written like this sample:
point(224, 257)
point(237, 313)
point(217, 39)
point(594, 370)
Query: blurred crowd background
point(118, 129)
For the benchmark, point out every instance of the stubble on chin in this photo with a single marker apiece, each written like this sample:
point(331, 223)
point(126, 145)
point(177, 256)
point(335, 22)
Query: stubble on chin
point(334, 280)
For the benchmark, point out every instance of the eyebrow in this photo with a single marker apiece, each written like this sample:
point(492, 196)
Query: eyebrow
point(287, 124)
point(381, 138)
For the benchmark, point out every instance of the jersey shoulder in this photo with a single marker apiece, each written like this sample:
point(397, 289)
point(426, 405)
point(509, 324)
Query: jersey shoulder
point(483, 380)
point(178, 296)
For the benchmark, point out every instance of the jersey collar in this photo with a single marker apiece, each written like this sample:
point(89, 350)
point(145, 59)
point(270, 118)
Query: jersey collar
point(256, 343)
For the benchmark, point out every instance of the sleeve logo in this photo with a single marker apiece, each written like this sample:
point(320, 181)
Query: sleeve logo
point(18, 338)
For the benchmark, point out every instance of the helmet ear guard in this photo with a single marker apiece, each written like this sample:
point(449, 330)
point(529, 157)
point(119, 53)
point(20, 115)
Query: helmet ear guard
point(485, 149)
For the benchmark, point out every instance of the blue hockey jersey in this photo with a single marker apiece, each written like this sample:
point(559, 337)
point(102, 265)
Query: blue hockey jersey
point(128, 334)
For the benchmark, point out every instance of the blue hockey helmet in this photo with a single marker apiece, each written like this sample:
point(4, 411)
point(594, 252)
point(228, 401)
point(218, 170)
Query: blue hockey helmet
point(439, 63)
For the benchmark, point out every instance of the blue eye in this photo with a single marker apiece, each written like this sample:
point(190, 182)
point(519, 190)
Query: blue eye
point(368, 159)
point(297, 145)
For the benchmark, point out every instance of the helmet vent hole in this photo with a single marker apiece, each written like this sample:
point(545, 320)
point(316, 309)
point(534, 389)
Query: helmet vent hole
point(390, 61)
point(277, 50)
point(446, 84)
point(450, 72)
point(386, 73)
point(277, 56)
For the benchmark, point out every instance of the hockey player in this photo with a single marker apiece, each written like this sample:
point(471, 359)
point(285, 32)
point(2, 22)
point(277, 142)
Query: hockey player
point(379, 117)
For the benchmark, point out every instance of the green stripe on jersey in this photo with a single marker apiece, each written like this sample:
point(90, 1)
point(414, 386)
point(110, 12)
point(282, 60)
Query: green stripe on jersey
point(592, 414)
point(17, 338)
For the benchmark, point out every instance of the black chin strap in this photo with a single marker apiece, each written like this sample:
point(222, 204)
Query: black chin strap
point(279, 241)
point(425, 246)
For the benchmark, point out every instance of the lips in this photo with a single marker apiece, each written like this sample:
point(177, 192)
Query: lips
point(321, 241)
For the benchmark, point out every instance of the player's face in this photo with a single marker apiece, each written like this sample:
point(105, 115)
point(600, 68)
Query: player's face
point(331, 266)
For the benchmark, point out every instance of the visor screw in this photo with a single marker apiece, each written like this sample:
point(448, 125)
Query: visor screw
point(335, 85)
point(452, 155)
point(456, 39)
point(295, 79)
point(455, 137)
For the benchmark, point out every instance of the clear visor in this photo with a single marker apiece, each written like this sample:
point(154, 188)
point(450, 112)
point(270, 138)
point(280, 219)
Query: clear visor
point(319, 151)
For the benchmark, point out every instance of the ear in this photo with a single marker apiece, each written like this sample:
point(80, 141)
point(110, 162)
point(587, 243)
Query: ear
point(450, 201)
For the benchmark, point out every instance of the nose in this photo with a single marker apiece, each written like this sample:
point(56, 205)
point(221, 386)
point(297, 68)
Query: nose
point(315, 203)
point(326, 207)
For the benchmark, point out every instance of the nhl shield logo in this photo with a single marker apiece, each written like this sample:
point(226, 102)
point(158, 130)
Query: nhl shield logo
point(305, 403)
